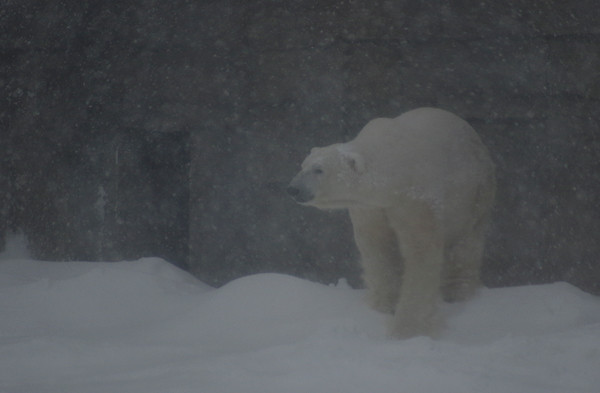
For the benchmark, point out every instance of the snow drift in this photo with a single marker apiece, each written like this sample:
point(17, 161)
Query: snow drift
point(146, 326)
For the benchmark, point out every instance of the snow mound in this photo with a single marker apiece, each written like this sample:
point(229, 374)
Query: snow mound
point(84, 297)
point(522, 311)
point(271, 309)
point(146, 326)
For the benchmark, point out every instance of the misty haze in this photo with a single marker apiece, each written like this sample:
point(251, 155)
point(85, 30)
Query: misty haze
point(147, 241)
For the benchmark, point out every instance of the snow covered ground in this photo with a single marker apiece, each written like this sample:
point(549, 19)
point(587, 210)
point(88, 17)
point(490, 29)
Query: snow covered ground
point(145, 326)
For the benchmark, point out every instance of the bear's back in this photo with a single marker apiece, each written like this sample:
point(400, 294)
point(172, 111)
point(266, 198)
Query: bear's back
point(424, 131)
point(430, 124)
point(427, 149)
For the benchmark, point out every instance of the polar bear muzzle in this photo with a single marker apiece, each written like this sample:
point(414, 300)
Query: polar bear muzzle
point(300, 194)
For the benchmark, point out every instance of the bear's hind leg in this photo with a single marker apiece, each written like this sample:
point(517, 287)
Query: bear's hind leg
point(380, 257)
point(461, 275)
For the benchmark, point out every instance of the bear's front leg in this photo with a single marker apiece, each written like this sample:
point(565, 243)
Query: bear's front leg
point(420, 235)
point(380, 257)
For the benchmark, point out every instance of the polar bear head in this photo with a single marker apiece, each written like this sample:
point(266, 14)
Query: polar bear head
point(329, 178)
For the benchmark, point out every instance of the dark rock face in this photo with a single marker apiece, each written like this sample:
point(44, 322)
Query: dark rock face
point(135, 97)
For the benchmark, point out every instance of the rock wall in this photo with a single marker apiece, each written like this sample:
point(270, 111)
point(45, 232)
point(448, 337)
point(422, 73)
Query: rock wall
point(525, 74)
point(193, 116)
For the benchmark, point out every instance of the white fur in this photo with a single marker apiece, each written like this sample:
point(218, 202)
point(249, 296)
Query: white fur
point(419, 189)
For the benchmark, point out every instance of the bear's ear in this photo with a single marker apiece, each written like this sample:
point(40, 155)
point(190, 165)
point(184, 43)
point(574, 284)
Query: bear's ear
point(355, 161)
point(314, 150)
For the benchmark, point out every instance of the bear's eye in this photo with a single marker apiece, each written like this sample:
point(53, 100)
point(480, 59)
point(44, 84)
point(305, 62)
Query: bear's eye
point(317, 171)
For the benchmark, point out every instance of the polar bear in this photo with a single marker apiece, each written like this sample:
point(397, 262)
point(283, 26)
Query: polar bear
point(419, 189)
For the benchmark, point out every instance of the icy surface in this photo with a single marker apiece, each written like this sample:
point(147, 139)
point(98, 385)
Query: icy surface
point(145, 326)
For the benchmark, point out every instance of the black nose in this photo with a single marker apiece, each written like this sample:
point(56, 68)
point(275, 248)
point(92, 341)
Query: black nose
point(300, 195)
point(293, 191)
